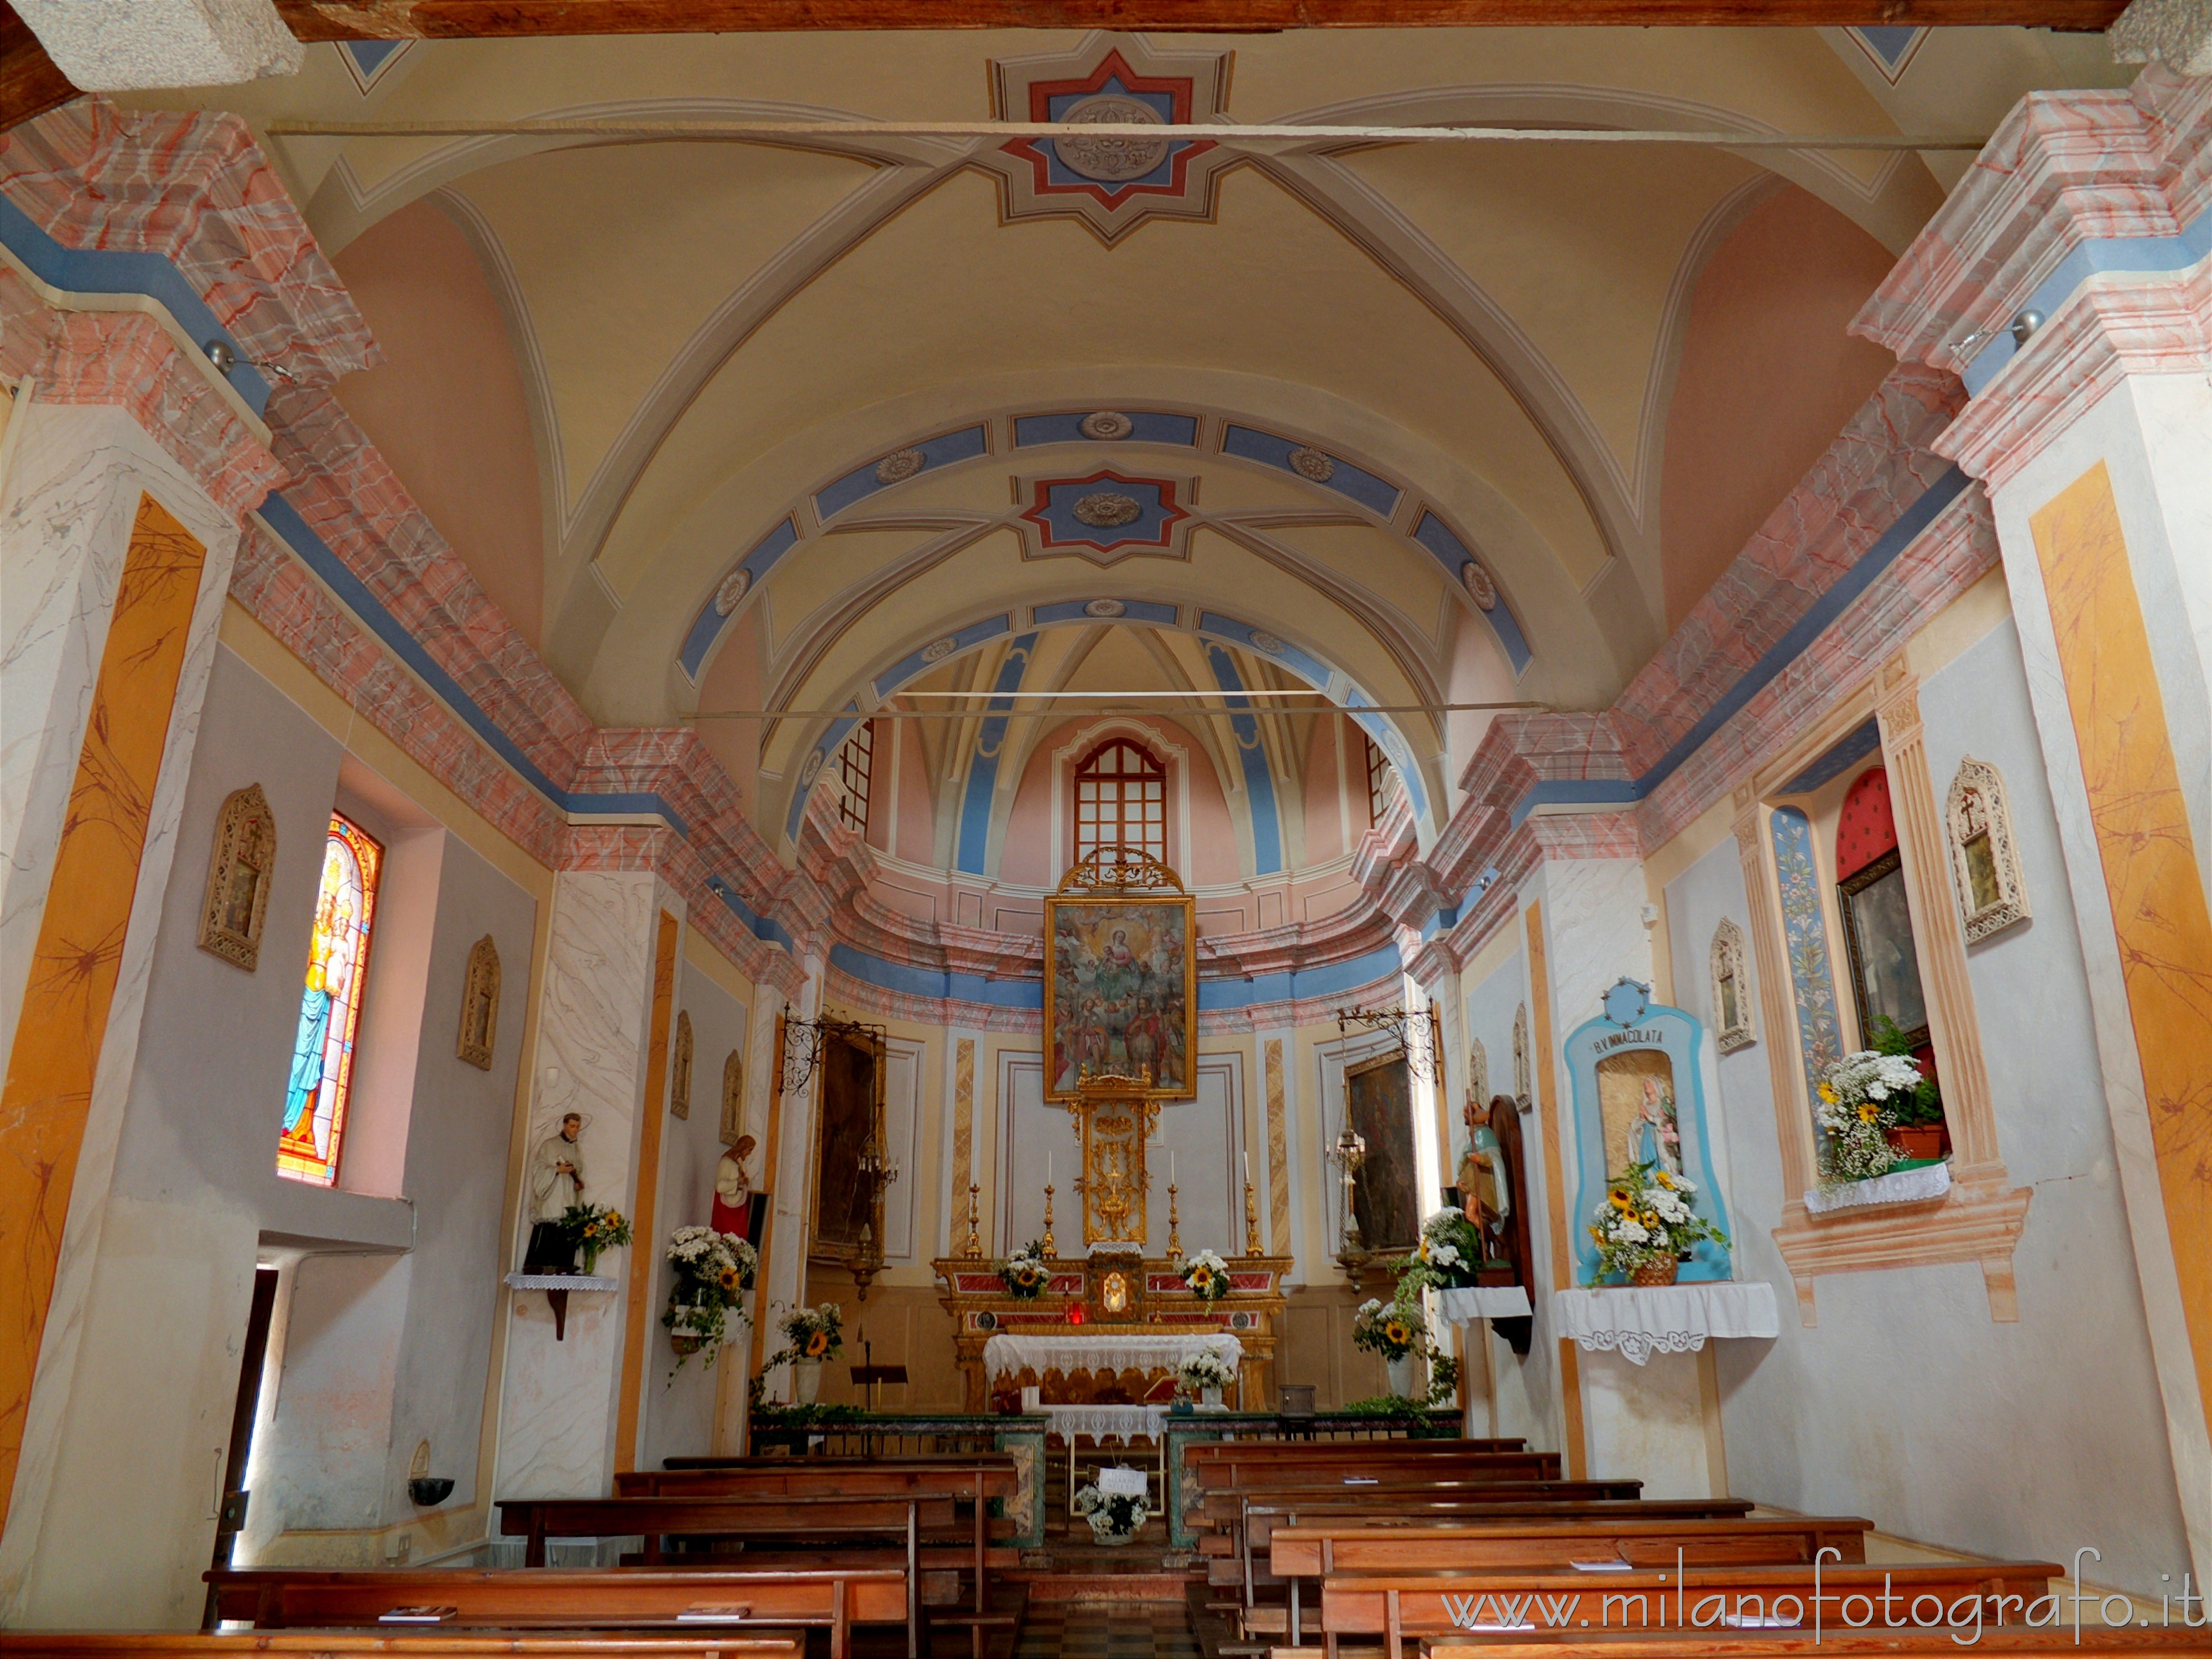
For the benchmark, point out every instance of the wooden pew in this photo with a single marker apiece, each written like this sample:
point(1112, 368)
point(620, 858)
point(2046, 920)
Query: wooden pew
point(1227, 1473)
point(1240, 1463)
point(1307, 1550)
point(1445, 1605)
point(1431, 1498)
point(991, 1474)
point(1229, 1514)
point(381, 1644)
point(2094, 1642)
point(621, 1598)
point(905, 1516)
point(1314, 1453)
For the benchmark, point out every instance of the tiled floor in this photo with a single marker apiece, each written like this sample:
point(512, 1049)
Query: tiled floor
point(1105, 1630)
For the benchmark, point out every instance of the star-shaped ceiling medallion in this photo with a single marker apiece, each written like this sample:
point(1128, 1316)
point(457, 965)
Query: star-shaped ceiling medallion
point(1105, 517)
point(1111, 184)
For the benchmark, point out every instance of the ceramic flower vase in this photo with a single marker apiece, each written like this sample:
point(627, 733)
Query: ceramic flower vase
point(1401, 1373)
point(805, 1381)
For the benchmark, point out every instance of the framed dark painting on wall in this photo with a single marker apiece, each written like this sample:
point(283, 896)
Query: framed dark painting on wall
point(1378, 1100)
point(1885, 965)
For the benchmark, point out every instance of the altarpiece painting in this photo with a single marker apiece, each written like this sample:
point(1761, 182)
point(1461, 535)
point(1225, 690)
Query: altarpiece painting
point(1121, 985)
point(1378, 1102)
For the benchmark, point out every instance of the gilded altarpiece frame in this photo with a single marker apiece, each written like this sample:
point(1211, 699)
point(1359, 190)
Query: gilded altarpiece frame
point(1115, 1117)
point(1121, 977)
point(847, 1227)
point(240, 867)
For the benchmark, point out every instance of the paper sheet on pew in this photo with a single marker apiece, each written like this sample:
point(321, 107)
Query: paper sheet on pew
point(715, 1614)
point(422, 1615)
point(1613, 1565)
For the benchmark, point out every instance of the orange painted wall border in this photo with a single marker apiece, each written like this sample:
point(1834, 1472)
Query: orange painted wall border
point(79, 954)
point(1555, 1182)
point(644, 1255)
point(2160, 914)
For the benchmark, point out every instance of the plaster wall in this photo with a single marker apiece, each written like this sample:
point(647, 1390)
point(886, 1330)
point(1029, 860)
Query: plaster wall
point(1523, 1390)
point(447, 406)
point(1913, 1386)
point(394, 1347)
point(679, 1404)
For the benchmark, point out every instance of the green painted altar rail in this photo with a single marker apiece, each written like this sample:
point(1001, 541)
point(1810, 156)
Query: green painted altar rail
point(852, 1433)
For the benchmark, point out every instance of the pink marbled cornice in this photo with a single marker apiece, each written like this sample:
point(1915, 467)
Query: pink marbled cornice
point(2064, 168)
point(196, 189)
point(127, 360)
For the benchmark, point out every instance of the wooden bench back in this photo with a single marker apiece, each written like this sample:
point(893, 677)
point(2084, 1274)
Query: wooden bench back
point(377, 1645)
point(1196, 1453)
point(1440, 1605)
point(1538, 1544)
point(2092, 1642)
point(993, 1477)
point(1262, 1475)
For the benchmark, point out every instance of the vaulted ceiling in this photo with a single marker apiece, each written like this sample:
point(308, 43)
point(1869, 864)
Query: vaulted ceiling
point(1403, 410)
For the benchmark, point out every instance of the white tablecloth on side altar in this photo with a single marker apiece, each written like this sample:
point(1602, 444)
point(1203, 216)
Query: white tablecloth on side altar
point(1463, 1304)
point(1637, 1322)
point(1106, 1422)
point(1089, 1350)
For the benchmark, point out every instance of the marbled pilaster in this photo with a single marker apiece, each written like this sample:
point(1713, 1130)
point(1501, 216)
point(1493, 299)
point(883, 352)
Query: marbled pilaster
point(560, 1399)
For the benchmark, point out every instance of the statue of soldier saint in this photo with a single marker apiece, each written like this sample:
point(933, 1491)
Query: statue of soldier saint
point(556, 1181)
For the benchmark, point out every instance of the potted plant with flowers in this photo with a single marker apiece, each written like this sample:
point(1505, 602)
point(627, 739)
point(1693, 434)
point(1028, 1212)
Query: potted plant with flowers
point(1449, 1256)
point(1206, 1374)
point(1114, 1504)
point(1859, 1096)
point(713, 1273)
point(814, 1336)
point(1919, 1133)
point(1648, 1223)
point(1394, 1330)
point(1023, 1274)
point(591, 1228)
point(1206, 1274)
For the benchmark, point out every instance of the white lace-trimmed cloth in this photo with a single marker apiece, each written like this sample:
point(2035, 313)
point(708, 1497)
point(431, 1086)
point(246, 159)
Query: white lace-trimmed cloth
point(1102, 1351)
point(1465, 1303)
point(1900, 1187)
point(1637, 1322)
point(1106, 1422)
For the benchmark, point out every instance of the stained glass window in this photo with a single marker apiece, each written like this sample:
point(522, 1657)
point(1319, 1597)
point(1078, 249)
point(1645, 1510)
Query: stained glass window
point(330, 1008)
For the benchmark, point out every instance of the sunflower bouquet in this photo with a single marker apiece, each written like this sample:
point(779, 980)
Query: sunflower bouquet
point(1206, 1274)
point(1859, 1099)
point(814, 1334)
point(1023, 1274)
point(1649, 1218)
point(1393, 1329)
point(713, 1273)
point(591, 1228)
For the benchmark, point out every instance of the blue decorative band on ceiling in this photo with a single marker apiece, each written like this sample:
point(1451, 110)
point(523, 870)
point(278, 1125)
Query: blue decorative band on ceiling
point(760, 926)
point(1260, 643)
point(816, 762)
point(707, 627)
point(917, 663)
point(1852, 747)
point(1452, 554)
point(974, 839)
point(1214, 995)
point(1131, 610)
point(1146, 427)
point(1378, 495)
point(898, 466)
point(1252, 755)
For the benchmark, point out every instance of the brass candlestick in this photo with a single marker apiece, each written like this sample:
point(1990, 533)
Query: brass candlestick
point(974, 1247)
point(1251, 1224)
point(1175, 1225)
point(1051, 1247)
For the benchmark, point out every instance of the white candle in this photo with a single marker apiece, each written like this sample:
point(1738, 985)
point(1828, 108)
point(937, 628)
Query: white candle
point(1047, 1169)
point(1170, 1169)
point(1248, 1169)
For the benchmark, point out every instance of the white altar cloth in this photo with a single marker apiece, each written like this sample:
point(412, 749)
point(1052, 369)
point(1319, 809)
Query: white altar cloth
point(1106, 1422)
point(1637, 1322)
point(1094, 1350)
point(1463, 1304)
point(1900, 1187)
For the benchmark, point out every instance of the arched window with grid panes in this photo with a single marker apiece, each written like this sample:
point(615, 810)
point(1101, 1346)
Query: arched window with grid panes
point(1121, 800)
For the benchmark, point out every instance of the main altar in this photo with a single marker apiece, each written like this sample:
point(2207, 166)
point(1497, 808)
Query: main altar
point(1113, 1317)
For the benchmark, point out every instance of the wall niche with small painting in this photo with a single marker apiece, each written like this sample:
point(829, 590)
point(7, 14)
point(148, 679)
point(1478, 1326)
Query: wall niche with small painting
point(241, 866)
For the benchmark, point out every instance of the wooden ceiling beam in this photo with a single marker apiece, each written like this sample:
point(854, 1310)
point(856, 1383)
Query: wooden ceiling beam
point(29, 83)
point(393, 20)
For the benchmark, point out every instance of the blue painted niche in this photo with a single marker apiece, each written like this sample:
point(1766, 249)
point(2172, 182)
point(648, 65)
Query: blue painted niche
point(1608, 1058)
